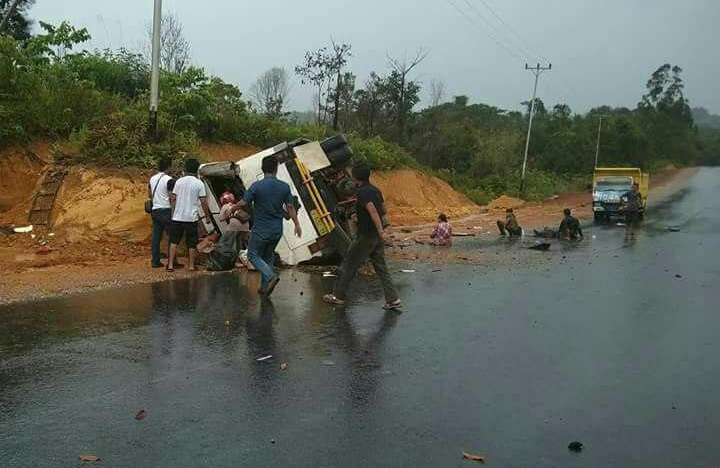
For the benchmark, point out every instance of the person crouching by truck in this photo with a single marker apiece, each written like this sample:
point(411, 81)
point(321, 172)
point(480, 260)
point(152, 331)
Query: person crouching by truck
point(510, 226)
point(236, 235)
point(442, 233)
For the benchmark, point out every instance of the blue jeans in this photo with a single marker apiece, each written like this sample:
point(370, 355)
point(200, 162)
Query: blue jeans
point(161, 220)
point(261, 253)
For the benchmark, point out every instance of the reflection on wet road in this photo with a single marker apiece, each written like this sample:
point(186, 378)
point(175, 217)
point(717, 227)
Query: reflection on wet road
point(612, 342)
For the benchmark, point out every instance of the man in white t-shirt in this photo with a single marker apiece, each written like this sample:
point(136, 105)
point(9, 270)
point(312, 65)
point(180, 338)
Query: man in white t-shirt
point(161, 215)
point(188, 193)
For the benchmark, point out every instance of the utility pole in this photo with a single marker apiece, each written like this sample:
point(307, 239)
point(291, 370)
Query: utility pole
point(537, 70)
point(10, 12)
point(155, 73)
point(597, 148)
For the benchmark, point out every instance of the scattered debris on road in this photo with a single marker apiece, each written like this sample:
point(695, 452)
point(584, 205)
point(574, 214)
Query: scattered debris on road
point(264, 358)
point(474, 457)
point(141, 415)
point(283, 366)
point(89, 458)
point(540, 246)
point(575, 447)
point(407, 271)
point(673, 228)
point(23, 229)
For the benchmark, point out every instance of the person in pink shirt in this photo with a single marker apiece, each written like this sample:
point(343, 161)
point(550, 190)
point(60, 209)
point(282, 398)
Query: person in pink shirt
point(442, 233)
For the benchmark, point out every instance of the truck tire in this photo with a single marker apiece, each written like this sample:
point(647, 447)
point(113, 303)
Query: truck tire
point(599, 218)
point(341, 156)
point(334, 142)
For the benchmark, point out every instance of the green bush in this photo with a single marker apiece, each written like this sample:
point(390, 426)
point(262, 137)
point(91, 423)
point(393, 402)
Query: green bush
point(380, 154)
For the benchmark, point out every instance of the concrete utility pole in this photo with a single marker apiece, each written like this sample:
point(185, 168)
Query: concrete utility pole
point(10, 12)
point(155, 74)
point(597, 148)
point(536, 70)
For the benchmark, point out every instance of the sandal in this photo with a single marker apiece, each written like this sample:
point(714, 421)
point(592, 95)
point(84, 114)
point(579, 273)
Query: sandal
point(331, 299)
point(169, 270)
point(394, 305)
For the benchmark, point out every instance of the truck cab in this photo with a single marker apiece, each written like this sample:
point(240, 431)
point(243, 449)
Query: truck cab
point(319, 182)
point(611, 184)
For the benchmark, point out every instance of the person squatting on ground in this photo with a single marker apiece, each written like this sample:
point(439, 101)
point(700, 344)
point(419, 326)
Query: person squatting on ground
point(510, 226)
point(236, 235)
point(271, 200)
point(369, 243)
point(187, 193)
point(569, 228)
point(161, 214)
point(442, 233)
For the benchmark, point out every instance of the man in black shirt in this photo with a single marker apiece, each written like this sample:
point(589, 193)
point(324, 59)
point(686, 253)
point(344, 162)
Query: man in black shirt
point(369, 243)
point(569, 226)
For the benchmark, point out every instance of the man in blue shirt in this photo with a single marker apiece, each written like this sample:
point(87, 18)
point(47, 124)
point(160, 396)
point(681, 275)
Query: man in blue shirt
point(271, 199)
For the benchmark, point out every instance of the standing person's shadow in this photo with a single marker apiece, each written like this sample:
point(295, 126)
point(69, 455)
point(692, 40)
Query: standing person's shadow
point(366, 359)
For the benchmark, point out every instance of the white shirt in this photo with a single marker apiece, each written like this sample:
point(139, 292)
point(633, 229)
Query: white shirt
point(188, 191)
point(161, 197)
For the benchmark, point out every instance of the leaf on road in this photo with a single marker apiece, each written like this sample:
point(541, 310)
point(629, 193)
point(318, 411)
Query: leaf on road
point(141, 415)
point(473, 457)
point(89, 458)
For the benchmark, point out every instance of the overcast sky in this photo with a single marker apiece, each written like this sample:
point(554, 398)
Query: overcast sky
point(602, 51)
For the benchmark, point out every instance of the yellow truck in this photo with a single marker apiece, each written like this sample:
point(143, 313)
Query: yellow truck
point(611, 184)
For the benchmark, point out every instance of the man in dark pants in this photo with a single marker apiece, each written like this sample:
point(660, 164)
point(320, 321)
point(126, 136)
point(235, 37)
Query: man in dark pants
point(161, 213)
point(633, 200)
point(368, 244)
point(510, 226)
point(271, 199)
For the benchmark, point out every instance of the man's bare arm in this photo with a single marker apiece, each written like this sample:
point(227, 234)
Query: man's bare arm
point(173, 198)
point(294, 216)
point(375, 216)
point(204, 205)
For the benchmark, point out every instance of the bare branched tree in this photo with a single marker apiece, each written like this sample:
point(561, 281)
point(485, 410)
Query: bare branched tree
point(402, 67)
point(174, 47)
point(270, 92)
point(437, 92)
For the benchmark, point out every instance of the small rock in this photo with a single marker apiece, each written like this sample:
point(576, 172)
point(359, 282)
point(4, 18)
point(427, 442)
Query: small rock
point(678, 276)
point(272, 441)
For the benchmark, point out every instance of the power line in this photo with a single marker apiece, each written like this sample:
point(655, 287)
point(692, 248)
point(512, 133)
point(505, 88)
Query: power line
point(484, 31)
point(507, 26)
point(496, 30)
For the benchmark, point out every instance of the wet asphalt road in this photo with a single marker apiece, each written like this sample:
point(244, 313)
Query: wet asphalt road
point(599, 342)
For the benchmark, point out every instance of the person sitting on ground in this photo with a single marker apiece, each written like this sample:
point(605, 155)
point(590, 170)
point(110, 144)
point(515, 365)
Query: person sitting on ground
point(188, 192)
point(510, 226)
point(569, 226)
point(442, 233)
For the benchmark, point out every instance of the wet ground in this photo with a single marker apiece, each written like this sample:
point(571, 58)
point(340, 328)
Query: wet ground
point(612, 342)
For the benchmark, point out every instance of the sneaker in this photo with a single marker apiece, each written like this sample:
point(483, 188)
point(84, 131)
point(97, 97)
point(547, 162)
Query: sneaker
point(274, 280)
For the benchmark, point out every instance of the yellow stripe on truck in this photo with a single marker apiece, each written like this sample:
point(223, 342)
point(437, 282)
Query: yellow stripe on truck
point(320, 214)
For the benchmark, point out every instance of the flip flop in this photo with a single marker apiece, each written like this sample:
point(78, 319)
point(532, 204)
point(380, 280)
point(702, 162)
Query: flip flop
point(331, 299)
point(169, 270)
point(394, 305)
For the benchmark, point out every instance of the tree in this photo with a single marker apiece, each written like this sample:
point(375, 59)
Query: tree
point(270, 92)
point(338, 59)
point(18, 24)
point(174, 46)
point(323, 70)
point(400, 71)
point(437, 92)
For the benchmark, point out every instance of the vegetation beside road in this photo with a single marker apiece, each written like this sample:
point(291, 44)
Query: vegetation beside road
point(95, 103)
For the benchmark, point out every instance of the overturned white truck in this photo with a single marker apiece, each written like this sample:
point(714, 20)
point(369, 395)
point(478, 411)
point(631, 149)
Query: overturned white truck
point(324, 193)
